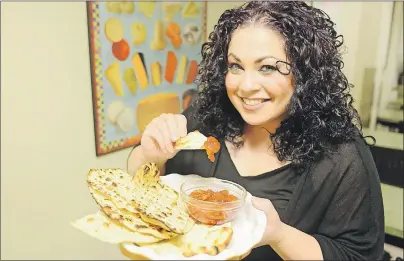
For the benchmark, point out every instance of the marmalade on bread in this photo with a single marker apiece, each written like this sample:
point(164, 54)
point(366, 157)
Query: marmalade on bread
point(211, 146)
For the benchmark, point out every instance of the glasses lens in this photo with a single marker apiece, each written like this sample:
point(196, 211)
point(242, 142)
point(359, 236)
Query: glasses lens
point(283, 67)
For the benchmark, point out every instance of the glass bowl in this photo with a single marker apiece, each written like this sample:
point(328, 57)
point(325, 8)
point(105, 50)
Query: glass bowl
point(208, 212)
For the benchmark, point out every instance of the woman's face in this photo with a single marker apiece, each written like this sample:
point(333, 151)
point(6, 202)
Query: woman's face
point(257, 90)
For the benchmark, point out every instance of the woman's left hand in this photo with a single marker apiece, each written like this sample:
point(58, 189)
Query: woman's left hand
point(273, 228)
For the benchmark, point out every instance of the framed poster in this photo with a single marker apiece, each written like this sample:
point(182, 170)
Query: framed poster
point(144, 59)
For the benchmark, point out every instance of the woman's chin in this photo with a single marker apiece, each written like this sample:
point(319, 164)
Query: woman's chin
point(258, 120)
point(255, 120)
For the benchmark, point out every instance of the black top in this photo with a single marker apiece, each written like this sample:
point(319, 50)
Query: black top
point(338, 200)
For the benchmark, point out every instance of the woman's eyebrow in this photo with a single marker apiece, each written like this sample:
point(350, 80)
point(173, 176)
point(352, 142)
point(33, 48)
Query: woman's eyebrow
point(256, 61)
point(234, 56)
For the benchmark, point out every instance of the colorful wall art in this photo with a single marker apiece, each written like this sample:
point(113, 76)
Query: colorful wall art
point(144, 59)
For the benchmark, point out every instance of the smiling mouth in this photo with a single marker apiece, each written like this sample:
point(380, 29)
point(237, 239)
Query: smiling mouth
point(253, 101)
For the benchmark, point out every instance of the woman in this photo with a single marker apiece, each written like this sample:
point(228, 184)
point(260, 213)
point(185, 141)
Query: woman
point(272, 91)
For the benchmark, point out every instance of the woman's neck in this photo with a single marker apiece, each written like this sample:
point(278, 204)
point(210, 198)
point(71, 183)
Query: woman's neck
point(256, 137)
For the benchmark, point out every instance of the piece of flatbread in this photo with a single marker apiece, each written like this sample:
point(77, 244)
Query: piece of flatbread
point(193, 141)
point(102, 228)
point(148, 176)
point(201, 239)
point(130, 220)
point(205, 239)
point(115, 184)
point(156, 203)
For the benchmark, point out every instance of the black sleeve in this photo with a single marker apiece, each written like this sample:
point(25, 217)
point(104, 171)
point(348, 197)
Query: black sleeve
point(353, 225)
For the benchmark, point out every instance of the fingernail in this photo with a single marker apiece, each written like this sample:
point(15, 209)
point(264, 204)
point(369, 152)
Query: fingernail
point(174, 138)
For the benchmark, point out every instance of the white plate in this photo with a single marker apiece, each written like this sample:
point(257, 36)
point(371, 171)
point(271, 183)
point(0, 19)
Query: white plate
point(248, 229)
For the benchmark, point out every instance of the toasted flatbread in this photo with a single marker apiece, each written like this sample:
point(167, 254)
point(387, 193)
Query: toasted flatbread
point(148, 176)
point(144, 211)
point(130, 220)
point(193, 141)
point(201, 239)
point(205, 239)
point(115, 184)
point(157, 204)
point(102, 228)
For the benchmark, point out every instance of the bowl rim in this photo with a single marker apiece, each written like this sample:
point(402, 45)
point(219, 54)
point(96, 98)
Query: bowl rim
point(241, 200)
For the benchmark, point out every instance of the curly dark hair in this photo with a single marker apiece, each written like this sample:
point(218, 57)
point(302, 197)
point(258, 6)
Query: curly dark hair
point(320, 113)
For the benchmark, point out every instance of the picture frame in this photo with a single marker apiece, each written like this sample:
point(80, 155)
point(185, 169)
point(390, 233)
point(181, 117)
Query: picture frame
point(144, 58)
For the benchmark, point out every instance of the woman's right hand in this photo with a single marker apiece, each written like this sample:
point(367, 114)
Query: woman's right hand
point(158, 139)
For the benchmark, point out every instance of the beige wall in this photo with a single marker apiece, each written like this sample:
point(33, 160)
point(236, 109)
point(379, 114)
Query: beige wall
point(359, 23)
point(47, 141)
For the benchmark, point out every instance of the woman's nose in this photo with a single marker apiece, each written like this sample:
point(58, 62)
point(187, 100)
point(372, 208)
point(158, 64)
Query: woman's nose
point(249, 82)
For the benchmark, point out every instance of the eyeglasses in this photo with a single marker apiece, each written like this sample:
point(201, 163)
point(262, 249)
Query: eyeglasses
point(283, 67)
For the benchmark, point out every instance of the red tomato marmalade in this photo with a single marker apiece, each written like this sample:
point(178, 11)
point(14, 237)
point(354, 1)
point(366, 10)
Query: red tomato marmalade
point(211, 146)
point(212, 196)
point(211, 217)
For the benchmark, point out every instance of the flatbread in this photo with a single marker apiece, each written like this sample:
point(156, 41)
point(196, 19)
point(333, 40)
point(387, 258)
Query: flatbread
point(144, 211)
point(148, 176)
point(130, 220)
point(115, 184)
point(155, 202)
point(193, 141)
point(159, 204)
point(102, 228)
point(205, 239)
point(201, 239)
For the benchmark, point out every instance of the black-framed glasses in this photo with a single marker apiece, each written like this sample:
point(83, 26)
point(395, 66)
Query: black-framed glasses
point(283, 67)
